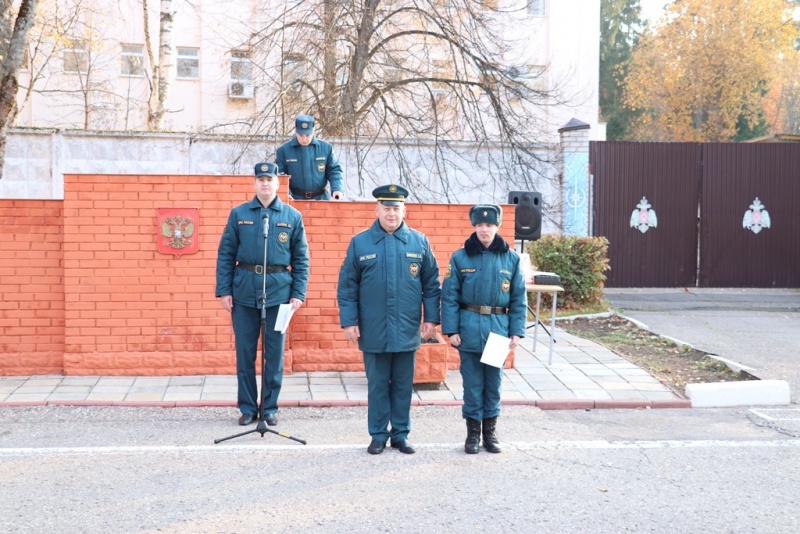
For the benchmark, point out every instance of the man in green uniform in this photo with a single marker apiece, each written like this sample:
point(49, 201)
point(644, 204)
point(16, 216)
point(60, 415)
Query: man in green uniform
point(264, 220)
point(484, 292)
point(388, 285)
point(311, 163)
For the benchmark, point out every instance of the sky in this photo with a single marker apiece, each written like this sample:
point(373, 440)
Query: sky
point(652, 9)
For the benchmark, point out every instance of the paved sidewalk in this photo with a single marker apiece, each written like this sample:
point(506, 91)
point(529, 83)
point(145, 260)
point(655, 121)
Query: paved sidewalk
point(583, 375)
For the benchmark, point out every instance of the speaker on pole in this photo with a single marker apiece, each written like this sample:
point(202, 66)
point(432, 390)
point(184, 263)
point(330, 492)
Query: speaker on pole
point(528, 220)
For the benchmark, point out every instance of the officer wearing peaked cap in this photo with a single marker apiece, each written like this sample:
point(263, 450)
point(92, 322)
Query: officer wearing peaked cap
point(311, 163)
point(240, 284)
point(390, 195)
point(483, 292)
point(388, 285)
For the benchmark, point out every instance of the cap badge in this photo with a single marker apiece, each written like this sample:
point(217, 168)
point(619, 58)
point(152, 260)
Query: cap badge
point(485, 213)
point(304, 125)
point(393, 189)
point(264, 167)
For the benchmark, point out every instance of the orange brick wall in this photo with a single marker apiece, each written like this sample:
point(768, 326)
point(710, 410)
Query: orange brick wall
point(85, 290)
point(32, 287)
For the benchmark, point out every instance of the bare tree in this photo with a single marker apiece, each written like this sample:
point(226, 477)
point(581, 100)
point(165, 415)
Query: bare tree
point(451, 73)
point(13, 39)
point(160, 78)
point(69, 62)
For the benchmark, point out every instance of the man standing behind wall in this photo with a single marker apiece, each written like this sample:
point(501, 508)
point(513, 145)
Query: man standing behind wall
point(388, 277)
point(311, 164)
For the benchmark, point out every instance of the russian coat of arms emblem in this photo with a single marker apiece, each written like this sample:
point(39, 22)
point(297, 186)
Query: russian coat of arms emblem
point(178, 228)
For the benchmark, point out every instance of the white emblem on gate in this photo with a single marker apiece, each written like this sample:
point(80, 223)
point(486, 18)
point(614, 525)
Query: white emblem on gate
point(756, 217)
point(643, 217)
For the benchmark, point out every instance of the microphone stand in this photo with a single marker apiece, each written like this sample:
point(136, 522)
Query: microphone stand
point(262, 427)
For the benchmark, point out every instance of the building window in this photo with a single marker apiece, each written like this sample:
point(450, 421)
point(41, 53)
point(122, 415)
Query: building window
point(530, 78)
point(188, 65)
point(76, 57)
point(441, 71)
point(241, 83)
point(536, 8)
point(241, 67)
point(294, 71)
point(131, 60)
point(26, 60)
point(488, 80)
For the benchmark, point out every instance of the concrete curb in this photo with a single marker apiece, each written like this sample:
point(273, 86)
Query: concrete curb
point(544, 404)
point(751, 393)
point(727, 394)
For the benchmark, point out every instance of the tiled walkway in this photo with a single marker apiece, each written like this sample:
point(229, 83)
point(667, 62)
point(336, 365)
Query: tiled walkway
point(583, 375)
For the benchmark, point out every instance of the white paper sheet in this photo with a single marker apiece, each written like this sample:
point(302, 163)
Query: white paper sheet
point(285, 313)
point(496, 350)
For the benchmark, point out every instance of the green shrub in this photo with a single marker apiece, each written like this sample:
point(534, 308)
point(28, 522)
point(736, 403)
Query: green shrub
point(580, 263)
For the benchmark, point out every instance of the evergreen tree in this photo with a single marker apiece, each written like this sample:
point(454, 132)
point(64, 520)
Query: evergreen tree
point(620, 26)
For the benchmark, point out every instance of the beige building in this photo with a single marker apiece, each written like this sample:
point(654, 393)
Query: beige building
point(230, 72)
point(236, 83)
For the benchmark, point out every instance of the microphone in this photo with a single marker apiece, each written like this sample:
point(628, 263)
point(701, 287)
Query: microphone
point(265, 224)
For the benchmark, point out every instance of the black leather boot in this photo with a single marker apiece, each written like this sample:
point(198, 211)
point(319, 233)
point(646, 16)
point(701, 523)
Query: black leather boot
point(473, 442)
point(490, 441)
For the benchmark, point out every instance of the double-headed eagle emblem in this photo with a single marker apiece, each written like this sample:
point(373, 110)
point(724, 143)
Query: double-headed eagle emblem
point(644, 216)
point(177, 231)
point(757, 217)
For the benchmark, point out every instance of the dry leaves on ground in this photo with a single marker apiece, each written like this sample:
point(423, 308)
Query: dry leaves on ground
point(673, 365)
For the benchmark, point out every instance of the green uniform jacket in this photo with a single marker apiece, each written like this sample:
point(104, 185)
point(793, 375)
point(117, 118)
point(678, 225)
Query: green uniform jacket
point(484, 277)
point(385, 283)
point(243, 241)
point(311, 167)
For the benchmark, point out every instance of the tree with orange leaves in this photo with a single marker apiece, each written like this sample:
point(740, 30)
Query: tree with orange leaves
point(706, 65)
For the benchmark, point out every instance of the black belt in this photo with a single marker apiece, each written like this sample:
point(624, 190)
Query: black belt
point(260, 269)
point(484, 310)
point(307, 194)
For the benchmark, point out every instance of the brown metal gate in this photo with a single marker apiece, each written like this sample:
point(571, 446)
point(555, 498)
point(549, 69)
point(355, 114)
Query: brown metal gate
point(762, 180)
point(716, 214)
point(647, 253)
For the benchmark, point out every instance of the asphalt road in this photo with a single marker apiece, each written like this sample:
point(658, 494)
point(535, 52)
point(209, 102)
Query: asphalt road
point(758, 328)
point(122, 469)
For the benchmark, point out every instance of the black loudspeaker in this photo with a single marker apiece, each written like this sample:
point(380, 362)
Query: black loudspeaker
point(528, 222)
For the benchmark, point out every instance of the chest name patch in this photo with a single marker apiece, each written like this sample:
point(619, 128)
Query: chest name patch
point(283, 224)
point(468, 270)
point(368, 257)
point(414, 255)
point(246, 222)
